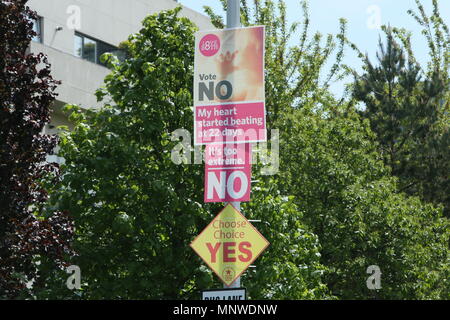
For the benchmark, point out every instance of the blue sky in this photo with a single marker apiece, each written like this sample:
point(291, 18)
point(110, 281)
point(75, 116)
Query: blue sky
point(361, 16)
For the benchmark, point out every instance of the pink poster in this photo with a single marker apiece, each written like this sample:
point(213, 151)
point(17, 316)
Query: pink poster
point(227, 172)
point(229, 96)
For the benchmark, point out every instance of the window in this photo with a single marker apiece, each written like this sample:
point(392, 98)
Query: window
point(78, 46)
point(37, 28)
point(86, 48)
point(91, 49)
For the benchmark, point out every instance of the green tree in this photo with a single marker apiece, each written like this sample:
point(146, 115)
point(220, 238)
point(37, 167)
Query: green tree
point(332, 211)
point(409, 110)
point(136, 211)
point(331, 165)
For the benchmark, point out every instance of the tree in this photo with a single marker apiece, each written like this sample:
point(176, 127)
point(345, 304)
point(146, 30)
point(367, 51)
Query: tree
point(136, 211)
point(408, 108)
point(332, 169)
point(290, 268)
point(27, 233)
point(332, 166)
point(332, 211)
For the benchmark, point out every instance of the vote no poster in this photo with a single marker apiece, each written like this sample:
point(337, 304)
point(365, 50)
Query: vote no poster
point(229, 97)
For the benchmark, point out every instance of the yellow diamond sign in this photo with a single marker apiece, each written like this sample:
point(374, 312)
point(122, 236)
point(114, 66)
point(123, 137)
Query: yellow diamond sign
point(229, 244)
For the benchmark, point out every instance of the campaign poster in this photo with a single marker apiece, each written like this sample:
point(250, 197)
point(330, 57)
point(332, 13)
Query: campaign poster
point(229, 95)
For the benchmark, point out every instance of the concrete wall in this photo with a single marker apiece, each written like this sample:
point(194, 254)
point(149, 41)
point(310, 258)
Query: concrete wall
point(79, 78)
point(111, 21)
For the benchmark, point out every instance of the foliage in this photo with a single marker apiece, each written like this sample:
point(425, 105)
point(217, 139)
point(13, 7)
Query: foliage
point(26, 93)
point(135, 210)
point(290, 268)
point(332, 211)
point(350, 202)
point(332, 167)
point(408, 108)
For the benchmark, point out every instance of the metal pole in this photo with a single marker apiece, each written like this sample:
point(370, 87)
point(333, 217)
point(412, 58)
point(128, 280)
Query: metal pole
point(234, 21)
point(233, 13)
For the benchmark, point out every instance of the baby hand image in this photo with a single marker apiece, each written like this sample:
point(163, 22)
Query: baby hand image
point(226, 63)
point(242, 64)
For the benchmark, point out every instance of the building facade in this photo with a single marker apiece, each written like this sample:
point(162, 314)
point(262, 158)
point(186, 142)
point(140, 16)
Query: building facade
point(74, 33)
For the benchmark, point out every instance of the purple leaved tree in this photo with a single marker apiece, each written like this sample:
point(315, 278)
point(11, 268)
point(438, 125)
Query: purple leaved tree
point(26, 94)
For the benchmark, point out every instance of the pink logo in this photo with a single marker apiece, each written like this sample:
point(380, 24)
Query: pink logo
point(209, 45)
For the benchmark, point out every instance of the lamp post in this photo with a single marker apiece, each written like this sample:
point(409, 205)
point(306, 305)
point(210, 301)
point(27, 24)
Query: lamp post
point(234, 21)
